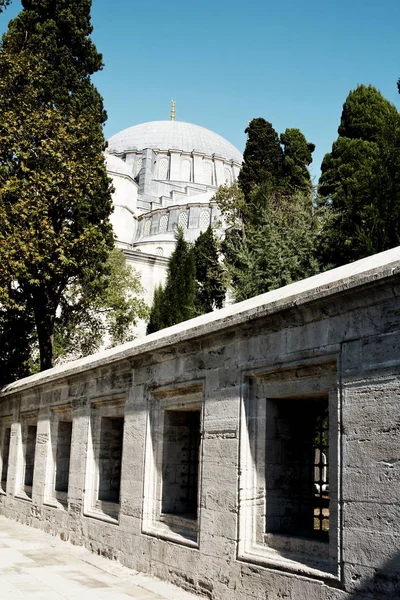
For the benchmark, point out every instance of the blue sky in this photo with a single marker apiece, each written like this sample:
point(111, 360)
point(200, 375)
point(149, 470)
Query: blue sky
point(225, 62)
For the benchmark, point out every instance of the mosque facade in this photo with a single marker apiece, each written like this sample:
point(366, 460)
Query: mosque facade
point(165, 174)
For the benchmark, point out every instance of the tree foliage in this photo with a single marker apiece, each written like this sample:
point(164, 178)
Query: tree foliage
point(276, 249)
point(273, 161)
point(359, 182)
point(211, 286)
point(176, 301)
point(55, 194)
point(4, 4)
point(103, 311)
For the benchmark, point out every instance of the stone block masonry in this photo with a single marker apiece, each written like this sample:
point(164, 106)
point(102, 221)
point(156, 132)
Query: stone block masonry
point(251, 453)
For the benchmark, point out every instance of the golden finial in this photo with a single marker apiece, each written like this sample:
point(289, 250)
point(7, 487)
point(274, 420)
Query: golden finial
point(173, 102)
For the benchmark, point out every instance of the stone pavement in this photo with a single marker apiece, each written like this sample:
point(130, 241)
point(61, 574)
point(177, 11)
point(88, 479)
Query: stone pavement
point(35, 565)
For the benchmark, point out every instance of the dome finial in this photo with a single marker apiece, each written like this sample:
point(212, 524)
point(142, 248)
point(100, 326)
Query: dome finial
point(173, 102)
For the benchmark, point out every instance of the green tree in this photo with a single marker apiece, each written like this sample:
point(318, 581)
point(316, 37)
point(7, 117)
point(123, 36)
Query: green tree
point(176, 301)
point(280, 247)
point(262, 158)
point(4, 4)
point(297, 156)
point(55, 196)
point(211, 288)
point(359, 184)
point(100, 311)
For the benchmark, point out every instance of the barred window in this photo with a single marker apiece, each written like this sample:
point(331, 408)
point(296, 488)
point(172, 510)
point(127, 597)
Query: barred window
point(163, 168)
point(163, 223)
point(147, 227)
point(183, 219)
point(138, 166)
point(204, 219)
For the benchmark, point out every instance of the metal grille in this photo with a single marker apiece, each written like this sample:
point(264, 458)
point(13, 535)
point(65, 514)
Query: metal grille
point(163, 223)
point(183, 220)
point(321, 472)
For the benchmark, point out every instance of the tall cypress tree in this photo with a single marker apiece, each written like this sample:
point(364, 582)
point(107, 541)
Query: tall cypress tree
point(211, 287)
point(262, 158)
point(359, 183)
point(54, 191)
point(176, 301)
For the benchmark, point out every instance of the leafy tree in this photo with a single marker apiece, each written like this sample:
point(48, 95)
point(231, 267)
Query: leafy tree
point(101, 311)
point(4, 4)
point(211, 287)
point(359, 182)
point(15, 357)
point(176, 301)
point(278, 248)
point(55, 195)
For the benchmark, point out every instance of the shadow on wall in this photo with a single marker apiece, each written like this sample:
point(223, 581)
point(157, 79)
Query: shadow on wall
point(375, 583)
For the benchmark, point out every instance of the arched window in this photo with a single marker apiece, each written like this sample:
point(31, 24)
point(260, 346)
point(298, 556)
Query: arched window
point(227, 176)
point(183, 219)
point(159, 251)
point(138, 166)
point(185, 170)
point(207, 172)
point(204, 219)
point(147, 227)
point(163, 223)
point(163, 168)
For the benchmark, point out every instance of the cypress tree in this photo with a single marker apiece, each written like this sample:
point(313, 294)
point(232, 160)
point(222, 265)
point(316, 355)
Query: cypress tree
point(297, 156)
point(176, 301)
point(359, 179)
point(209, 273)
point(262, 158)
point(54, 191)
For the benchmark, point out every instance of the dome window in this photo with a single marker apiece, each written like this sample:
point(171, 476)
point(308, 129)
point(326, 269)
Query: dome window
point(227, 177)
point(139, 163)
point(163, 223)
point(204, 219)
point(163, 168)
point(147, 227)
point(185, 170)
point(159, 251)
point(183, 219)
point(207, 172)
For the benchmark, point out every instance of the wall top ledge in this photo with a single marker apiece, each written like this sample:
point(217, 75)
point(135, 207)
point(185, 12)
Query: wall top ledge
point(362, 272)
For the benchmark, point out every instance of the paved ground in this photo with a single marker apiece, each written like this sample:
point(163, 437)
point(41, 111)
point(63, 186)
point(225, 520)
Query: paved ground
point(37, 566)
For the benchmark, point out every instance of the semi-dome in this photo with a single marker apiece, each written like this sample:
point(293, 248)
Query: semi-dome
point(116, 165)
point(173, 135)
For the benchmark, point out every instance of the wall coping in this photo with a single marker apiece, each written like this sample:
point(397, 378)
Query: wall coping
point(348, 277)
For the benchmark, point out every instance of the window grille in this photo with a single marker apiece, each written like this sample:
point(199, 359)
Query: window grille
point(139, 163)
point(204, 219)
point(163, 223)
point(183, 219)
point(159, 251)
point(227, 177)
point(147, 227)
point(163, 168)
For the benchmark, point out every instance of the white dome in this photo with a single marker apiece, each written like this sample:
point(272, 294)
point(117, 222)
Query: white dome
point(116, 165)
point(173, 135)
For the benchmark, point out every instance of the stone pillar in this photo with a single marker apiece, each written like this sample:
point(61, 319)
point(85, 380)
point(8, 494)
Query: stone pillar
point(146, 174)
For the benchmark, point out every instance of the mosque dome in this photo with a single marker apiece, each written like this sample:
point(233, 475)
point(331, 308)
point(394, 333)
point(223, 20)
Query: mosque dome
point(173, 135)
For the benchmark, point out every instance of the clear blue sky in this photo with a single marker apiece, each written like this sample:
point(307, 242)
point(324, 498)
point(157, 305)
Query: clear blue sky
point(225, 62)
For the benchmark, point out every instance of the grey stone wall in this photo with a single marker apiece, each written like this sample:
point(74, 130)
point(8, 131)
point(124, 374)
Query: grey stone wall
point(254, 373)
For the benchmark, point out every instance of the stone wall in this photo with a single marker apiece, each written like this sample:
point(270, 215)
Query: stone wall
point(195, 454)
